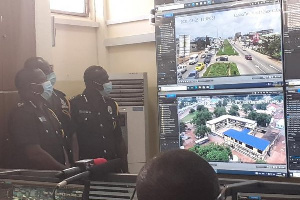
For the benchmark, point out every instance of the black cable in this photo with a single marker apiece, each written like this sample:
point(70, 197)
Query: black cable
point(54, 193)
point(132, 196)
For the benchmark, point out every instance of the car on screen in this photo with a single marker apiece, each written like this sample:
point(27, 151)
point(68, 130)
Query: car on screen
point(182, 68)
point(248, 57)
point(193, 59)
point(200, 66)
point(207, 60)
point(222, 58)
point(193, 74)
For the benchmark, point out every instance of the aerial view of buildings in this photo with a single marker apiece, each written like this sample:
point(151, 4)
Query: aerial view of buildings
point(246, 129)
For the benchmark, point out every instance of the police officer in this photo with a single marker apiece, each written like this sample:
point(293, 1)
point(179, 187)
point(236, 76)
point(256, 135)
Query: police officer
point(96, 118)
point(59, 104)
point(35, 130)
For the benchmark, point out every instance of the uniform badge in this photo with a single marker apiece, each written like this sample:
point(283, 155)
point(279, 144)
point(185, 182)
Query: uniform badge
point(63, 104)
point(109, 109)
point(42, 119)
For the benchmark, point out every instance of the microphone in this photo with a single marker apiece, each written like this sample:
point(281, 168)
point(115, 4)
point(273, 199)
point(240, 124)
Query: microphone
point(94, 171)
point(81, 166)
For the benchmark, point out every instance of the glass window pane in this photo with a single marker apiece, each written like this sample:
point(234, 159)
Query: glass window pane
point(73, 6)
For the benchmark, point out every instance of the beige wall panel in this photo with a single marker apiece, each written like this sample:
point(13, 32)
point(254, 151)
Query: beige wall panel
point(129, 29)
point(75, 50)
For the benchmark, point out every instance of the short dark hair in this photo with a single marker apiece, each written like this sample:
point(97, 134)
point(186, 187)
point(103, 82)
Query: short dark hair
point(177, 175)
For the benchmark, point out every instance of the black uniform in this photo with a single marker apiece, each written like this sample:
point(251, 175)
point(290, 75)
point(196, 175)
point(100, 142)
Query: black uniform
point(30, 125)
point(61, 106)
point(97, 126)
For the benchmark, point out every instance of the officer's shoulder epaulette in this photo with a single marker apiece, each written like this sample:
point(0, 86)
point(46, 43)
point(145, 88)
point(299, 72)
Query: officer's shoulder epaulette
point(108, 98)
point(59, 93)
point(78, 98)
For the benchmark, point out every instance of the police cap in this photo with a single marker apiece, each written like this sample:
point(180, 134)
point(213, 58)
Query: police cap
point(27, 77)
point(38, 63)
point(95, 73)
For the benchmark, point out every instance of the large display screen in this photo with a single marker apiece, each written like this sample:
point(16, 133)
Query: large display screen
point(237, 42)
point(238, 133)
point(234, 40)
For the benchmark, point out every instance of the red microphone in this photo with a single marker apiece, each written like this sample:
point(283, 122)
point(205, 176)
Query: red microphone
point(81, 165)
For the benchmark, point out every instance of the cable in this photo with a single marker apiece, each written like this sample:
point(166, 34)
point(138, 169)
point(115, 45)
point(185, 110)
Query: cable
point(54, 193)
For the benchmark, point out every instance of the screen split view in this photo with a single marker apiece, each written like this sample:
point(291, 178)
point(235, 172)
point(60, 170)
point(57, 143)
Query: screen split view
point(229, 84)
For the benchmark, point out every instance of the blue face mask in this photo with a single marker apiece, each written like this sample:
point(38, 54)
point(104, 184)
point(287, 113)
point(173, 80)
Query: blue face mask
point(48, 89)
point(107, 88)
point(52, 78)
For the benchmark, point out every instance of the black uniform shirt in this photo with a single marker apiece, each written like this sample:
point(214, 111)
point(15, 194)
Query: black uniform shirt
point(97, 127)
point(30, 125)
point(60, 105)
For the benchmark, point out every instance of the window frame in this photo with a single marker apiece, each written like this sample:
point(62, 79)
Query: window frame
point(85, 14)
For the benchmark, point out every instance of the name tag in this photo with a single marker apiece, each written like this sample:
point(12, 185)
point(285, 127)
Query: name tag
point(84, 112)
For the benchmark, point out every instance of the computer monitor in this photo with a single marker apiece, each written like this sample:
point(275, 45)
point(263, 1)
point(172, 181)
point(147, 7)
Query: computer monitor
point(237, 131)
point(207, 41)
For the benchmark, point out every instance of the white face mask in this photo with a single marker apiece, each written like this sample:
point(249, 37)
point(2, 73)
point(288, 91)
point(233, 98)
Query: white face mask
point(107, 88)
point(48, 89)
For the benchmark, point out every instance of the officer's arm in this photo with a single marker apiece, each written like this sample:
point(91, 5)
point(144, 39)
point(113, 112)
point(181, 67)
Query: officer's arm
point(74, 124)
point(75, 147)
point(41, 159)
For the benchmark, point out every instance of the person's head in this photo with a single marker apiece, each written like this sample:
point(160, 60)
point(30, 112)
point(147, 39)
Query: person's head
point(96, 77)
point(177, 175)
point(33, 84)
point(40, 63)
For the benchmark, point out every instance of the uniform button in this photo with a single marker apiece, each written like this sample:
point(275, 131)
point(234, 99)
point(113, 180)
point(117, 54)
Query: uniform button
point(101, 125)
point(47, 131)
point(85, 119)
point(103, 137)
point(98, 113)
point(56, 132)
point(104, 151)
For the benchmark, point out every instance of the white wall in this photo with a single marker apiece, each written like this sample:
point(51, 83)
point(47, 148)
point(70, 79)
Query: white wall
point(43, 29)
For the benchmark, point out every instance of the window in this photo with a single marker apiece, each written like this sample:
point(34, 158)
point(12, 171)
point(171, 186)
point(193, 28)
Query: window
point(71, 7)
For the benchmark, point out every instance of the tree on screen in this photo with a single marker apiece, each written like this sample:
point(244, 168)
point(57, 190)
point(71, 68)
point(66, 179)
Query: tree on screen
point(192, 110)
point(213, 152)
point(201, 108)
point(219, 111)
point(247, 108)
point(202, 117)
point(202, 130)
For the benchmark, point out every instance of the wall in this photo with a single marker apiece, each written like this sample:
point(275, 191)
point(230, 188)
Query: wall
point(75, 50)
point(134, 57)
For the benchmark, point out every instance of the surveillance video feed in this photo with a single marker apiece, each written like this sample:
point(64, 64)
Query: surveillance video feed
point(245, 41)
point(234, 128)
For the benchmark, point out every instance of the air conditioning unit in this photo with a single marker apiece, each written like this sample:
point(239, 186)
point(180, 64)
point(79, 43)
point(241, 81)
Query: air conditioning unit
point(130, 91)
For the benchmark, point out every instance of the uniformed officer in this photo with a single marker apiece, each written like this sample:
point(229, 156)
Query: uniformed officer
point(35, 130)
point(59, 104)
point(96, 118)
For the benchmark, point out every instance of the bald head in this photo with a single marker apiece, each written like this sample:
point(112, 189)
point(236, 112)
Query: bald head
point(177, 175)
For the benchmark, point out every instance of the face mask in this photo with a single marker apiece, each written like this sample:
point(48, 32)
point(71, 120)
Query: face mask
point(52, 78)
point(48, 89)
point(107, 88)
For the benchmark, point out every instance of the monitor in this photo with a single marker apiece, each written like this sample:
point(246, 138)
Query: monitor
point(218, 41)
point(238, 131)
